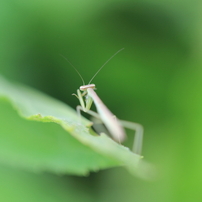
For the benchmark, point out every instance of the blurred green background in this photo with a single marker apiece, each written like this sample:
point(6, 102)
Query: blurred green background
point(155, 81)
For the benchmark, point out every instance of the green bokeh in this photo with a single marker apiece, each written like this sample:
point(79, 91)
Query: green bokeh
point(155, 81)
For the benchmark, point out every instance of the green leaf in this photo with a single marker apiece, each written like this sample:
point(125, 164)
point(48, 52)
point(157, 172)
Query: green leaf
point(49, 136)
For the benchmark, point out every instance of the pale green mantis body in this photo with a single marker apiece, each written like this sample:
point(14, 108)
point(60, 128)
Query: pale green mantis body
point(114, 125)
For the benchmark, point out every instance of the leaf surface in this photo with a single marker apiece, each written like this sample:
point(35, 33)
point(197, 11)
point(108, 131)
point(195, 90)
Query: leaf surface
point(43, 134)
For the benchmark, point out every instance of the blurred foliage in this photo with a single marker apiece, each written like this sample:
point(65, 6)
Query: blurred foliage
point(155, 81)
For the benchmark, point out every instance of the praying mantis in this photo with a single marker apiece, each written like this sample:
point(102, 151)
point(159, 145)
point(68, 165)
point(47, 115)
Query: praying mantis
point(87, 95)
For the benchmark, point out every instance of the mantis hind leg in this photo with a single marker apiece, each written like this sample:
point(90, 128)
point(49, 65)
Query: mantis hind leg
point(138, 128)
point(138, 137)
point(138, 140)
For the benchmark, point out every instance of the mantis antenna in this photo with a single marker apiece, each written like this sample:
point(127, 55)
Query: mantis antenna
point(104, 65)
point(74, 68)
point(98, 69)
